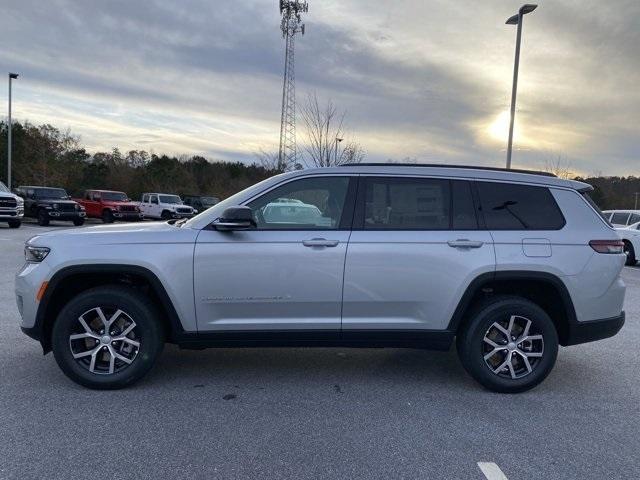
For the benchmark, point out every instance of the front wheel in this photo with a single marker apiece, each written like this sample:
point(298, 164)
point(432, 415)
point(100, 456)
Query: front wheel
point(43, 218)
point(509, 345)
point(630, 252)
point(107, 216)
point(107, 337)
point(78, 222)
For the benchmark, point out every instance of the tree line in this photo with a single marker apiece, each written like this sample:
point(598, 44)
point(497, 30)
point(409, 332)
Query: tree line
point(45, 155)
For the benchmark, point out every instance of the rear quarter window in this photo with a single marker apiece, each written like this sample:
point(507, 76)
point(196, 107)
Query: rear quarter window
point(508, 206)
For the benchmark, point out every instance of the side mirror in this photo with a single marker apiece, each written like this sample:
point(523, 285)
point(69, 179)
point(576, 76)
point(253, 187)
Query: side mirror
point(235, 218)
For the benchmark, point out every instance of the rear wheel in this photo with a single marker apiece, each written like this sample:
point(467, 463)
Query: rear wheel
point(509, 345)
point(630, 252)
point(14, 223)
point(107, 337)
point(107, 216)
point(43, 218)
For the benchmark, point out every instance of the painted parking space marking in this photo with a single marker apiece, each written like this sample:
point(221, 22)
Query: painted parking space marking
point(492, 471)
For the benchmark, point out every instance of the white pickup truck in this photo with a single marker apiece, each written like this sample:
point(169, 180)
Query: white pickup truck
point(165, 207)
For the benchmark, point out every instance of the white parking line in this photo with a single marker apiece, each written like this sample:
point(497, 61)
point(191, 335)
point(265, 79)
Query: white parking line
point(492, 471)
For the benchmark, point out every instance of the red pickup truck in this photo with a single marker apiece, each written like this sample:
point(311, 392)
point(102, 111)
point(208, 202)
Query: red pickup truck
point(110, 206)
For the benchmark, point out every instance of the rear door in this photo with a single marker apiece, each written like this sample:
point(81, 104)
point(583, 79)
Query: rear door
point(415, 248)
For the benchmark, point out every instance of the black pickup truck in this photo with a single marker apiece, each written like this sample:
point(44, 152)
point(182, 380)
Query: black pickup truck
point(47, 203)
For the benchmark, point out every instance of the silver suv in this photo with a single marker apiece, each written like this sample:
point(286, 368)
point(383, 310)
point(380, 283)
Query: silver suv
point(508, 264)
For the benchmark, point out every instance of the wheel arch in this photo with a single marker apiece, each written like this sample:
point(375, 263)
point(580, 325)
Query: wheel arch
point(545, 289)
point(70, 281)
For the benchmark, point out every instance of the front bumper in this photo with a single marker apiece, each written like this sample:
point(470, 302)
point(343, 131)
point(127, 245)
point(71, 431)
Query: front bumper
point(590, 331)
point(128, 216)
point(58, 215)
point(11, 214)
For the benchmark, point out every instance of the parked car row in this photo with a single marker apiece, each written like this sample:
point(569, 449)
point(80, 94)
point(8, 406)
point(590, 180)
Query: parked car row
point(49, 203)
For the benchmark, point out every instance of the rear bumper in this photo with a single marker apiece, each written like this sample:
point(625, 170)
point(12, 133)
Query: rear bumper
point(583, 332)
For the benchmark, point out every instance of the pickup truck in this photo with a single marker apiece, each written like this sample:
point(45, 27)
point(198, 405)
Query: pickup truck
point(11, 207)
point(164, 206)
point(110, 206)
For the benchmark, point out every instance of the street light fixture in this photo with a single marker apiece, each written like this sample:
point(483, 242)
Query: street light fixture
point(338, 140)
point(12, 76)
point(516, 20)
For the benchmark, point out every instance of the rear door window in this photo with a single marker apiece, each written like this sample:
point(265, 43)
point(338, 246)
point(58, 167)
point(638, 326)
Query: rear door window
point(634, 218)
point(407, 204)
point(508, 206)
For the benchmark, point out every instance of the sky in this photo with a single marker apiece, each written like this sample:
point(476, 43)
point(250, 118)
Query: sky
point(428, 81)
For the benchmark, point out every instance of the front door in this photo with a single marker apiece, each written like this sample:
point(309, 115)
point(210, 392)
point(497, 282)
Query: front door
point(415, 247)
point(287, 273)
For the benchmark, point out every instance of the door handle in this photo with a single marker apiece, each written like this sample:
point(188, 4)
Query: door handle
point(464, 243)
point(320, 242)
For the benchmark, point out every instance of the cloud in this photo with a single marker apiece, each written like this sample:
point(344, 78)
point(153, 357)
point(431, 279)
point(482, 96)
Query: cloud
point(418, 79)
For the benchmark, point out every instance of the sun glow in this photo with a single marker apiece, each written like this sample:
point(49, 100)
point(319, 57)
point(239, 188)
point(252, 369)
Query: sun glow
point(499, 128)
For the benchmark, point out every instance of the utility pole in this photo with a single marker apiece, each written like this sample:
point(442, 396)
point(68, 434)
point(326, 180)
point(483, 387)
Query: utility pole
point(291, 24)
point(338, 140)
point(12, 76)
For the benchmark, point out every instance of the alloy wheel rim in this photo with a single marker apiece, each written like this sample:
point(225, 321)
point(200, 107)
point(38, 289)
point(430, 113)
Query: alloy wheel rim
point(512, 348)
point(104, 340)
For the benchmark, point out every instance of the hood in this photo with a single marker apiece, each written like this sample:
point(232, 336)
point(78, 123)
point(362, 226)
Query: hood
point(51, 201)
point(117, 234)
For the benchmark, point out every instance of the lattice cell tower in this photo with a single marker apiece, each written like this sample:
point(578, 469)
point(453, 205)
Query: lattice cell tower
point(291, 11)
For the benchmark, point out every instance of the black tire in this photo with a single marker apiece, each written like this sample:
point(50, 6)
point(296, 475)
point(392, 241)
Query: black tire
point(43, 218)
point(107, 216)
point(630, 253)
point(472, 347)
point(148, 331)
point(15, 223)
point(166, 215)
point(78, 222)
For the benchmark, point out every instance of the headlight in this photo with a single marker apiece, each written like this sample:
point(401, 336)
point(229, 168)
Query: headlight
point(77, 207)
point(20, 201)
point(35, 254)
point(55, 206)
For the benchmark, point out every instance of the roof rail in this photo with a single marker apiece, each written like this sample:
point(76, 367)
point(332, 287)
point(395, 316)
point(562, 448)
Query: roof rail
point(440, 165)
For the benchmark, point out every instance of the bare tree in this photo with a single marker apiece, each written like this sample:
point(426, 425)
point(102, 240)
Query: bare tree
point(559, 167)
point(325, 134)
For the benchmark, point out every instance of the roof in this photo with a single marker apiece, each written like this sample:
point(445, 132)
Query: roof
point(40, 186)
point(470, 172)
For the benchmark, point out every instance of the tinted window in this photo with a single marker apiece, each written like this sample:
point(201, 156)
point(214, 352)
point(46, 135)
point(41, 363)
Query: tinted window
point(634, 218)
point(310, 203)
point(519, 207)
point(407, 204)
point(620, 218)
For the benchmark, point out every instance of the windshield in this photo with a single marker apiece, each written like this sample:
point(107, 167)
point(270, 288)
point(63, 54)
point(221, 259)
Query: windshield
point(209, 201)
point(115, 196)
point(50, 193)
point(173, 199)
point(3, 188)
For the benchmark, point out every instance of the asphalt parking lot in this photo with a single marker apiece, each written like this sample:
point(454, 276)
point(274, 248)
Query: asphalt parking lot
point(316, 413)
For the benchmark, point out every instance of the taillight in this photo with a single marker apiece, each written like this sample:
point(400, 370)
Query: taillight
point(607, 246)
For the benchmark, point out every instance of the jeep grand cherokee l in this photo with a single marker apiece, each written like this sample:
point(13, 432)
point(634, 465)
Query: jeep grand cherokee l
point(509, 265)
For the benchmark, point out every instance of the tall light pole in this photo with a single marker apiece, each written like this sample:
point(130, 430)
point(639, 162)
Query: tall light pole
point(516, 20)
point(12, 76)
